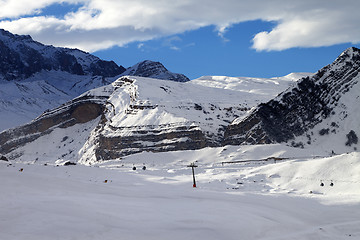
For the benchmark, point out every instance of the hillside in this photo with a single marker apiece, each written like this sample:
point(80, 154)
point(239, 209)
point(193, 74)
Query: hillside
point(321, 110)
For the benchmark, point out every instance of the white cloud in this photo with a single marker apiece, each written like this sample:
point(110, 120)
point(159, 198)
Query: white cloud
point(100, 24)
point(140, 45)
point(170, 43)
point(18, 8)
point(315, 28)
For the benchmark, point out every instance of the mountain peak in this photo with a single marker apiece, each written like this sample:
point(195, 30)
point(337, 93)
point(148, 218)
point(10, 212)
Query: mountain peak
point(4, 33)
point(152, 69)
point(350, 54)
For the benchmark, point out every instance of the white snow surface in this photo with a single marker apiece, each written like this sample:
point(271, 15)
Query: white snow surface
point(22, 101)
point(259, 86)
point(269, 199)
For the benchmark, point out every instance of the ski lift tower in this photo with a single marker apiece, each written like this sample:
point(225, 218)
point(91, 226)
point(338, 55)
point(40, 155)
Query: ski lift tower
point(192, 165)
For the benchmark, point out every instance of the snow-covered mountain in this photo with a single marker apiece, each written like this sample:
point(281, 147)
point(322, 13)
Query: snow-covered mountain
point(21, 57)
point(321, 110)
point(135, 114)
point(153, 69)
point(35, 77)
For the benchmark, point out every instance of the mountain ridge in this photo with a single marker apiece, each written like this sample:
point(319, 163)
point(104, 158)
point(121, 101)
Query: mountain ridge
point(153, 69)
point(298, 110)
point(21, 57)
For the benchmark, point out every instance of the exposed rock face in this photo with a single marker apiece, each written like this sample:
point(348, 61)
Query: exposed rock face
point(154, 70)
point(150, 138)
point(299, 109)
point(21, 57)
point(80, 110)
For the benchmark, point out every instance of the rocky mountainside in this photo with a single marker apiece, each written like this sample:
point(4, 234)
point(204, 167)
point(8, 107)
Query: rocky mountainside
point(322, 109)
point(135, 114)
point(21, 57)
point(154, 70)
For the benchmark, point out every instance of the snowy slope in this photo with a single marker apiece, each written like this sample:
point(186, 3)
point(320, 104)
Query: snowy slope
point(22, 101)
point(257, 86)
point(254, 200)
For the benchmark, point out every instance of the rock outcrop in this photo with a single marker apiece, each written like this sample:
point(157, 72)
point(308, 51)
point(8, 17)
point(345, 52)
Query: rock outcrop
point(152, 69)
point(80, 110)
point(299, 109)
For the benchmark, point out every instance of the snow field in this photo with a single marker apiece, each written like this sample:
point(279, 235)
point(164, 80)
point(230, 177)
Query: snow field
point(272, 202)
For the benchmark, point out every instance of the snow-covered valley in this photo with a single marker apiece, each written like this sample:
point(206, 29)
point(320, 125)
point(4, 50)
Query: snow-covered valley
point(269, 199)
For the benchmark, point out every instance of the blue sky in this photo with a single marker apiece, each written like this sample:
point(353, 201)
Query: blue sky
point(202, 52)
point(259, 38)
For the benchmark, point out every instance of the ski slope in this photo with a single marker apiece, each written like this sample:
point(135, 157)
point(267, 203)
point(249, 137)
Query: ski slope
point(249, 200)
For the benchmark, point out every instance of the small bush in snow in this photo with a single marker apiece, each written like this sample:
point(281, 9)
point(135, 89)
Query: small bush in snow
point(351, 138)
point(324, 131)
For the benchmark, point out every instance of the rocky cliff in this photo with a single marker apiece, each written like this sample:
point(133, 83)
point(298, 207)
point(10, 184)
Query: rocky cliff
point(324, 103)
